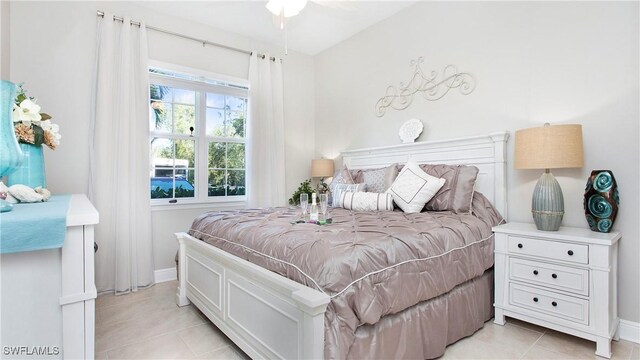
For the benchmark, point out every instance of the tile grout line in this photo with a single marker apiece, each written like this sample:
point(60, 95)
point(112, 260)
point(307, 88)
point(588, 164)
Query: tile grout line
point(188, 347)
point(134, 316)
point(112, 323)
point(150, 338)
point(531, 347)
point(100, 305)
point(534, 343)
point(147, 339)
point(206, 352)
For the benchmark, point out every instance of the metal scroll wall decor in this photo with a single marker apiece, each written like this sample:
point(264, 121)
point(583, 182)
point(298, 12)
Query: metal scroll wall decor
point(432, 87)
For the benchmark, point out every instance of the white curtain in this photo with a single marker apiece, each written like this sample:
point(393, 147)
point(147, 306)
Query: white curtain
point(119, 152)
point(265, 132)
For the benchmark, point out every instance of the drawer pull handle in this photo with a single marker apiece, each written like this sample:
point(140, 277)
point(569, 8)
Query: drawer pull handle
point(535, 272)
point(519, 246)
point(535, 299)
point(554, 276)
point(570, 252)
point(554, 303)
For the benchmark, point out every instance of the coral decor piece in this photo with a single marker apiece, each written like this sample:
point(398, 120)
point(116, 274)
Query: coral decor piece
point(32, 126)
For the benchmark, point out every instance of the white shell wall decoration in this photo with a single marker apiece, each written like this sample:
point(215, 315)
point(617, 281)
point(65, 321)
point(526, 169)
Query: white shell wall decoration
point(410, 130)
point(431, 87)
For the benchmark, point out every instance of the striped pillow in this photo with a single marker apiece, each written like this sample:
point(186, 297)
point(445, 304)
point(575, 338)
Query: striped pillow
point(338, 189)
point(366, 201)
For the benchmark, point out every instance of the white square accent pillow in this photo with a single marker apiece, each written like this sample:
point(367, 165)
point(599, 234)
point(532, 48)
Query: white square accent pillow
point(413, 188)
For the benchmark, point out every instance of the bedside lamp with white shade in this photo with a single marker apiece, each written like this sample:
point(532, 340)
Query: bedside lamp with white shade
point(548, 147)
point(322, 168)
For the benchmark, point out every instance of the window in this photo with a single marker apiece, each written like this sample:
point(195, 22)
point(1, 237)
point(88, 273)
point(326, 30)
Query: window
point(198, 127)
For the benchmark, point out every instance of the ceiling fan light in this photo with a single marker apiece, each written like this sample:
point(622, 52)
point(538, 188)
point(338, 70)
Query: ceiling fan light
point(289, 7)
point(275, 6)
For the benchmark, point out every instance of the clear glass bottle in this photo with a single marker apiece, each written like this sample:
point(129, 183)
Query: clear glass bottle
point(313, 210)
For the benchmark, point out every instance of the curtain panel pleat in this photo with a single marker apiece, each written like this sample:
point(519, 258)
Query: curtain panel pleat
point(119, 152)
point(265, 133)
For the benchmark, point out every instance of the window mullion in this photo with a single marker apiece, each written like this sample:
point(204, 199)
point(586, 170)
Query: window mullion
point(203, 161)
point(226, 163)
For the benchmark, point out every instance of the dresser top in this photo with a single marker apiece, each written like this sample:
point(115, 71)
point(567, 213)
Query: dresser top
point(565, 233)
point(81, 211)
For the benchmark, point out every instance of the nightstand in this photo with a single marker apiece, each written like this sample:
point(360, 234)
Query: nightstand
point(564, 280)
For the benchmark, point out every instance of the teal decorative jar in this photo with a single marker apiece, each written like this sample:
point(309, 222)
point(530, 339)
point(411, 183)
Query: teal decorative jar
point(601, 200)
point(31, 172)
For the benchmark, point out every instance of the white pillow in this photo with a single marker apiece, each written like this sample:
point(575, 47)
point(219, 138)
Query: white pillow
point(413, 188)
point(366, 201)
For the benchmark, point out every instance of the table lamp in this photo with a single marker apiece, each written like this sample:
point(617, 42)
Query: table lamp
point(321, 168)
point(548, 147)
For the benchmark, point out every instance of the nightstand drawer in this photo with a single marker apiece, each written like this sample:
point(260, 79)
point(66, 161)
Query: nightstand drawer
point(549, 249)
point(562, 306)
point(554, 276)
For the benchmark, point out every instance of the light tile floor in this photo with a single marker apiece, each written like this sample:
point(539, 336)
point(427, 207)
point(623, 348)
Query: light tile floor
point(148, 325)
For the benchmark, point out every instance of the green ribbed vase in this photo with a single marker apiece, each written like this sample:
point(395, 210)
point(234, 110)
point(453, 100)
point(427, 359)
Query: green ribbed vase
point(547, 204)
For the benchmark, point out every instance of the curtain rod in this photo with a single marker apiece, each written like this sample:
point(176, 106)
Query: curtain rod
point(203, 42)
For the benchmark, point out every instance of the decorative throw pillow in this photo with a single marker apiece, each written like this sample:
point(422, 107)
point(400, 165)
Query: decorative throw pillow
point(390, 175)
point(342, 188)
point(366, 201)
point(377, 180)
point(457, 193)
point(413, 188)
point(340, 177)
point(356, 176)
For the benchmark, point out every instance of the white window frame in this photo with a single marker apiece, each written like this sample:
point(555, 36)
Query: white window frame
point(240, 89)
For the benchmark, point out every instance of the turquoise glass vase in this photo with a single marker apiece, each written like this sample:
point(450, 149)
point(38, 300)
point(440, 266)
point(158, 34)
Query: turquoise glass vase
point(31, 171)
point(10, 153)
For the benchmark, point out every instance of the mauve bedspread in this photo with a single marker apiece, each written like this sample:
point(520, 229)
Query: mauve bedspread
point(372, 264)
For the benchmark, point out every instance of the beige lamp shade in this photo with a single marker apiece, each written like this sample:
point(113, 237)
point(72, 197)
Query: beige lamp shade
point(321, 168)
point(549, 147)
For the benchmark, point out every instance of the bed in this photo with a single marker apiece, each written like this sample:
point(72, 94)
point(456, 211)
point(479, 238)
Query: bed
point(297, 297)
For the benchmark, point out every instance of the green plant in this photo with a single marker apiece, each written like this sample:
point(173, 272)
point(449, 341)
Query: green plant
point(305, 188)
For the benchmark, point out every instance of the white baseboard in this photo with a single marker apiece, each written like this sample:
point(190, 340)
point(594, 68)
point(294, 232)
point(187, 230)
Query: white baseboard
point(164, 275)
point(629, 330)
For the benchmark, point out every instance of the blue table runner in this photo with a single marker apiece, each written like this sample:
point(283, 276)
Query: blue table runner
point(34, 226)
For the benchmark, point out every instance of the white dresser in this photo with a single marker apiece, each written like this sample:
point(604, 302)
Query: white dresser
point(563, 280)
point(48, 296)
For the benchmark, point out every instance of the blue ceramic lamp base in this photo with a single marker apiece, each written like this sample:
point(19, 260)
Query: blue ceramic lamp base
point(547, 205)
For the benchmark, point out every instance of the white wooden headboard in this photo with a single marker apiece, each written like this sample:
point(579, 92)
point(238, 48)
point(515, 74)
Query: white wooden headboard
point(487, 152)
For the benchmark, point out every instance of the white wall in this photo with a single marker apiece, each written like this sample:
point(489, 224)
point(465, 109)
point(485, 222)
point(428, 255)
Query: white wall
point(541, 62)
point(4, 39)
point(52, 52)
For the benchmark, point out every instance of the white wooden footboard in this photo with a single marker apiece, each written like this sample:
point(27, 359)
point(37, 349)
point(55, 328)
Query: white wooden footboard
point(265, 314)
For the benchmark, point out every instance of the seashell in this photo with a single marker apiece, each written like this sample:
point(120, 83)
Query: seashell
point(5, 189)
point(46, 194)
point(25, 194)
